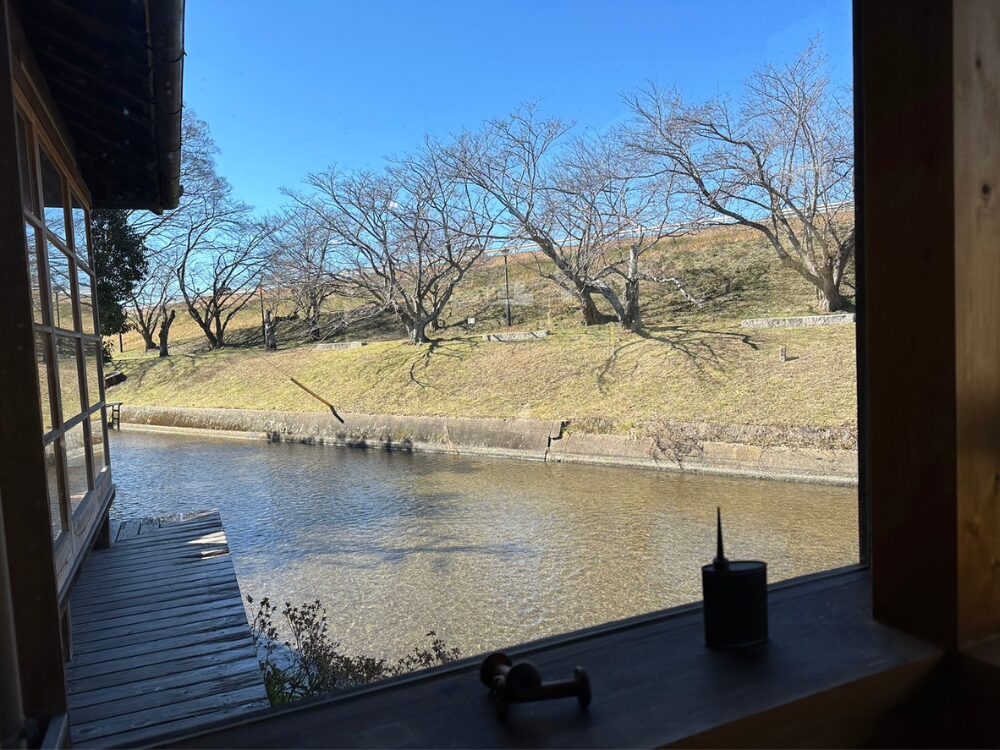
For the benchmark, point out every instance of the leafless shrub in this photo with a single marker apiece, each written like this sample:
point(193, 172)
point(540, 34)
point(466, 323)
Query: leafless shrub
point(311, 663)
point(674, 440)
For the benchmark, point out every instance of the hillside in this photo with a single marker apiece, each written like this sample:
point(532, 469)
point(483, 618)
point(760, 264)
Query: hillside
point(693, 362)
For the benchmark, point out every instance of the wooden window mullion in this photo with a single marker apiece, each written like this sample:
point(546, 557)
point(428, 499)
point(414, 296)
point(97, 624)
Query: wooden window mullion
point(23, 475)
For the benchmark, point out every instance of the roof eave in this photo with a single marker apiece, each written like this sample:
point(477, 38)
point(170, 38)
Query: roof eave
point(166, 29)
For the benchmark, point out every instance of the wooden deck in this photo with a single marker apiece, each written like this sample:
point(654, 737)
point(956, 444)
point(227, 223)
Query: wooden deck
point(160, 636)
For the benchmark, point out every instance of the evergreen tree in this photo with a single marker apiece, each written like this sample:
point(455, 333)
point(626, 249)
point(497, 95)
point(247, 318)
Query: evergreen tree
point(120, 264)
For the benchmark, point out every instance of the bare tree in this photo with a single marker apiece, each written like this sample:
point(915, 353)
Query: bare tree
point(591, 207)
point(198, 175)
point(611, 211)
point(406, 237)
point(300, 268)
point(220, 268)
point(510, 159)
point(150, 299)
point(169, 234)
point(781, 163)
point(216, 242)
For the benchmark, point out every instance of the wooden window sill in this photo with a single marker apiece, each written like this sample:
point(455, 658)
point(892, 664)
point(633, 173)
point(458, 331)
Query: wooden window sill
point(654, 684)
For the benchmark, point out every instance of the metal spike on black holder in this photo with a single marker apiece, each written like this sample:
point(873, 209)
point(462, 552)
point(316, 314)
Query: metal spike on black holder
point(720, 561)
point(734, 598)
point(522, 683)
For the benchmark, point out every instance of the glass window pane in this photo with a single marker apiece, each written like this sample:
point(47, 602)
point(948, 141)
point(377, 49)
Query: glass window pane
point(76, 465)
point(84, 291)
point(97, 434)
point(56, 518)
point(92, 356)
point(80, 244)
point(28, 197)
point(31, 247)
point(52, 198)
point(68, 353)
point(42, 360)
point(60, 288)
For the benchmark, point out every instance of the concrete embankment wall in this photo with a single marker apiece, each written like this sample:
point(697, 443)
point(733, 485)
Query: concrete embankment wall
point(700, 450)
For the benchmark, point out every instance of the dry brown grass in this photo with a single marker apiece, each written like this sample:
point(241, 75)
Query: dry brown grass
point(693, 363)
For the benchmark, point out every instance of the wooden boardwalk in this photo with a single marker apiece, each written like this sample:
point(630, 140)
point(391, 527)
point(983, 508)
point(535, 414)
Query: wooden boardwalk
point(160, 636)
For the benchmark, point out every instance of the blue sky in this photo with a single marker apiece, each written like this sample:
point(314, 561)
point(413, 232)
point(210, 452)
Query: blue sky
point(294, 86)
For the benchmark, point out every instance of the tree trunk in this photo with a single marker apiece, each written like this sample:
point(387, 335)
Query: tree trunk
point(591, 315)
point(315, 333)
point(220, 332)
point(206, 327)
point(147, 338)
point(632, 319)
point(270, 339)
point(313, 322)
point(418, 332)
point(168, 319)
point(213, 342)
point(830, 298)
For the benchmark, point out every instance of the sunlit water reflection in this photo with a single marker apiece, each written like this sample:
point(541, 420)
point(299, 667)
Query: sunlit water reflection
point(485, 552)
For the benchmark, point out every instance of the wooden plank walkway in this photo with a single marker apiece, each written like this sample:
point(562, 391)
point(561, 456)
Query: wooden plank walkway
point(160, 636)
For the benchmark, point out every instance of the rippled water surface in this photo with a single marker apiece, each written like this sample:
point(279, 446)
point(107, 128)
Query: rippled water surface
point(485, 552)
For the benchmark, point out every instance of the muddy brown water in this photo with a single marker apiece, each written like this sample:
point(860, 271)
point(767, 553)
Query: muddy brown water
point(486, 552)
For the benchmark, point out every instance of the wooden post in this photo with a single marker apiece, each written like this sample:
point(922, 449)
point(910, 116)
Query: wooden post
point(103, 538)
point(23, 486)
point(931, 119)
point(976, 76)
point(11, 710)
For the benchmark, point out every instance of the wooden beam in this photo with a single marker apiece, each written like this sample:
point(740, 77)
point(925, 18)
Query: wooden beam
point(909, 304)
point(976, 77)
point(23, 489)
point(931, 172)
point(11, 710)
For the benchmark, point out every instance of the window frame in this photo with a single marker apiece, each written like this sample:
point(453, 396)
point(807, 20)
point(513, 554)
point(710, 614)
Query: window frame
point(223, 732)
point(77, 518)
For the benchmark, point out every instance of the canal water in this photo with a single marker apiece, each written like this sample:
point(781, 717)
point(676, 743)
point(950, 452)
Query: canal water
point(485, 552)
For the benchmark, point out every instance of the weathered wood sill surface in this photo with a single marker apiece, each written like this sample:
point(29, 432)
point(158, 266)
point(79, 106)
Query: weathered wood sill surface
point(824, 679)
point(160, 635)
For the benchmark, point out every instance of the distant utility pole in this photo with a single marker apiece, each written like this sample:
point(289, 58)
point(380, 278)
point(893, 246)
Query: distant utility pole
point(506, 283)
point(121, 343)
point(263, 322)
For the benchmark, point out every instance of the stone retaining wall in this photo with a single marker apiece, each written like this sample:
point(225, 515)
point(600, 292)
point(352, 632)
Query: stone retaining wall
point(337, 345)
point(828, 466)
point(492, 437)
point(802, 321)
point(509, 438)
point(516, 336)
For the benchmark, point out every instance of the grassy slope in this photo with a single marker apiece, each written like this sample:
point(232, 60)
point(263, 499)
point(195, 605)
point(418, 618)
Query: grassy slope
point(694, 363)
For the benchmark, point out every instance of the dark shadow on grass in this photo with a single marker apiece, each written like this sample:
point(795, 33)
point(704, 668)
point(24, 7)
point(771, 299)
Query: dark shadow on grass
point(695, 344)
point(426, 355)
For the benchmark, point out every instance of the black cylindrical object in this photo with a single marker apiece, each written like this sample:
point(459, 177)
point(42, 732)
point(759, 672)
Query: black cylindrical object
point(734, 596)
point(735, 603)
